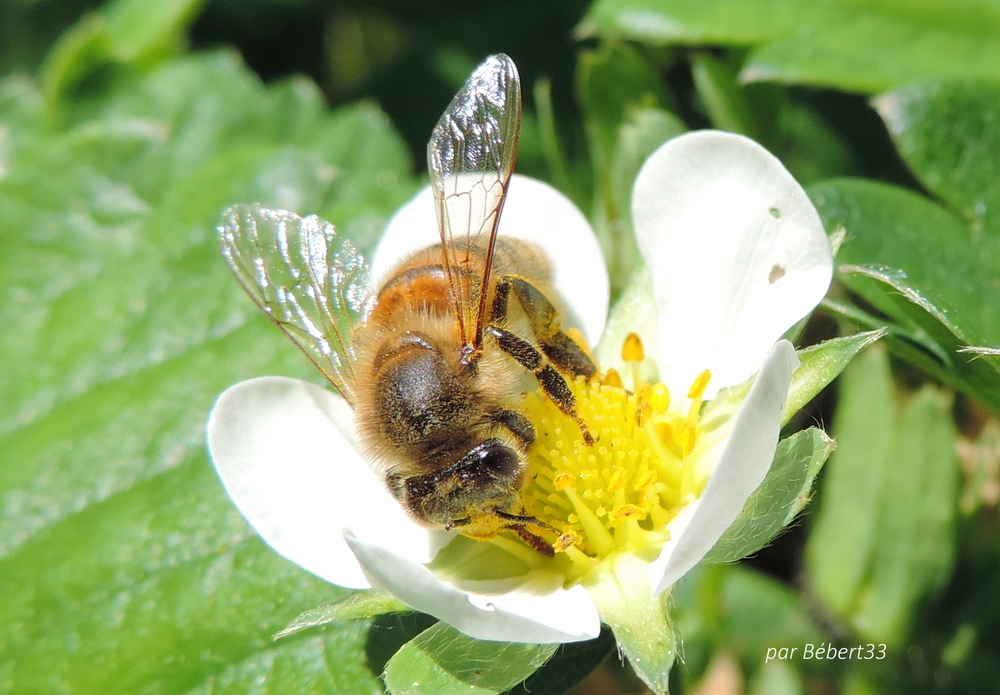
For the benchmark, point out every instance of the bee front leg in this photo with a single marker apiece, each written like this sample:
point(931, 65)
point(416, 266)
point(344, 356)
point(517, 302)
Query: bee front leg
point(564, 352)
point(551, 381)
point(517, 424)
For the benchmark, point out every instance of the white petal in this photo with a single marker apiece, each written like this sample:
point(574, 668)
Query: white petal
point(284, 449)
point(742, 466)
point(538, 610)
point(536, 212)
point(737, 250)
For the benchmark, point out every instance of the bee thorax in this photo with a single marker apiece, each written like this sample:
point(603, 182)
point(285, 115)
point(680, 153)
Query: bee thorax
point(420, 400)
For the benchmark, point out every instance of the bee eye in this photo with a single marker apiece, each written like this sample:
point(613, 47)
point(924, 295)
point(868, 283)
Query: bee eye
point(499, 458)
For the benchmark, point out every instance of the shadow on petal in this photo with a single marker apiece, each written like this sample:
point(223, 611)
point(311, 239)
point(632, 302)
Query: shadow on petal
point(285, 452)
point(538, 610)
point(744, 462)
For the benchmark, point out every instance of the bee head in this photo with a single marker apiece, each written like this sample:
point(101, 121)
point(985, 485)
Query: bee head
point(484, 479)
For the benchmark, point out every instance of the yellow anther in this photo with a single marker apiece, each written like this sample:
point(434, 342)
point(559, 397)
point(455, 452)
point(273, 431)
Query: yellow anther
point(562, 480)
point(643, 393)
point(699, 385)
point(644, 480)
point(642, 414)
point(659, 398)
point(565, 542)
point(611, 378)
point(622, 492)
point(687, 437)
point(665, 431)
point(628, 511)
point(617, 481)
point(632, 350)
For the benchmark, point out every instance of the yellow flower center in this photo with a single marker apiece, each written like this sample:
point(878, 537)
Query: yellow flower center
point(621, 492)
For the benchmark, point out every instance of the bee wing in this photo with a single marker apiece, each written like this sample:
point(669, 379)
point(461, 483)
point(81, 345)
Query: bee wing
point(313, 285)
point(470, 156)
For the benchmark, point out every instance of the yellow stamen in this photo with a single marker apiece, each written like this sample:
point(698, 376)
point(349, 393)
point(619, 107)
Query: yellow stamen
point(686, 437)
point(562, 480)
point(621, 493)
point(659, 398)
point(665, 431)
point(642, 414)
point(699, 385)
point(628, 511)
point(611, 378)
point(632, 349)
point(565, 542)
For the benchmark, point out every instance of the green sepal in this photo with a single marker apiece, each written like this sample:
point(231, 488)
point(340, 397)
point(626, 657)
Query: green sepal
point(639, 620)
point(363, 604)
point(821, 364)
point(443, 661)
point(777, 500)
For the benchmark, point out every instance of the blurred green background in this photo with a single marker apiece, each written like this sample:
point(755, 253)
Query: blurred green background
point(127, 126)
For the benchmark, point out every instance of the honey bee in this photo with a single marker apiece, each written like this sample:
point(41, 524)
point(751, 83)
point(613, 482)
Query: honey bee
point(432, 359)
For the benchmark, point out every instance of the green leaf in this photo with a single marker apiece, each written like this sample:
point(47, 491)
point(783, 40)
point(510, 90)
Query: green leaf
point(443, 661)
point(123, 31)
point(883, 537)
point(737, 609)
point(123, 565)
point(27, 30)
point(725, 100)
point(916, 521)
point(757, 612)
point(920, 266)
point(778, 677)
point(778, 499)
point(809, 146)
point(821, 364)
point(621, 98)
point(138, 28)
point(826, 44)
point(945, 132)
point(570, 665)
point(611, 81)
point(845, 532)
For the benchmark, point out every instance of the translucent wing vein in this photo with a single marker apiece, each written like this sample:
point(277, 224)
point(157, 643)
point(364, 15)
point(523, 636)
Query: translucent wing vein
point(470, 157)
point(313, 285)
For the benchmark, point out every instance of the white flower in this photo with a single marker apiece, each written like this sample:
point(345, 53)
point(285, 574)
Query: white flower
point(737, 255)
